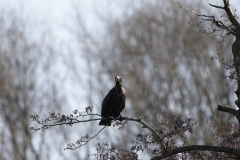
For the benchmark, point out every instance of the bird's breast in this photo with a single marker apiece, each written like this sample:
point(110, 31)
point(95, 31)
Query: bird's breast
point(123, 90)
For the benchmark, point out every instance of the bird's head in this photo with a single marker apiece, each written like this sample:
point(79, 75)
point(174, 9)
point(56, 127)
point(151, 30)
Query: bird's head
point(118, 79)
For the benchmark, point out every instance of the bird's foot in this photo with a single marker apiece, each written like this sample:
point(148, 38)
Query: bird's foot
point(109, 118)
point(120, 118)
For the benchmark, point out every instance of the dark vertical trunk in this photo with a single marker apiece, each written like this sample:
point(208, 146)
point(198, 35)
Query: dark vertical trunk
point(236, 58)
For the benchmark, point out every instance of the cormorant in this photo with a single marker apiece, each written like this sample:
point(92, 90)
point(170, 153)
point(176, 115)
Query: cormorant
point(113, 103)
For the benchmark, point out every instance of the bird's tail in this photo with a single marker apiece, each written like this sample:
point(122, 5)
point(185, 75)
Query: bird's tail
point(105, 122)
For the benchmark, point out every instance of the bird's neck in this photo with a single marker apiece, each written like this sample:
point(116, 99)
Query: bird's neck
point(118, 84)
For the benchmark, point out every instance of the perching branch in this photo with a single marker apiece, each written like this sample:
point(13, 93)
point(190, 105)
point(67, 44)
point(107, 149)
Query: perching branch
point(58, 119)
point(156, 136)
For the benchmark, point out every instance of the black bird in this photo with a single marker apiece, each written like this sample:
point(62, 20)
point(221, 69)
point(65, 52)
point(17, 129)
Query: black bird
point(113, 103)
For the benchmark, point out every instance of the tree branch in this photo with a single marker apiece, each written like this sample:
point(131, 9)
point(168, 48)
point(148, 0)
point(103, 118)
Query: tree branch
point(215, 6)
point(82, 141)
point(70, 120)
point(212, 19)
point(234, 112)
point(231, 16)
point(228, 110)
point(199, 148)
point(139, 120)
point(70, 123)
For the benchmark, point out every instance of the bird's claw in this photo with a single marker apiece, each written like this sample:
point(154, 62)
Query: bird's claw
point(120, 118)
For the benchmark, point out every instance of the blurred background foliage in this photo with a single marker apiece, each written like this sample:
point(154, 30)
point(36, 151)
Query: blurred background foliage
point(164, 61)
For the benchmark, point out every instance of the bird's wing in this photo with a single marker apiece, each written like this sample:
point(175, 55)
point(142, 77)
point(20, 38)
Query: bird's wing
point(105, 103)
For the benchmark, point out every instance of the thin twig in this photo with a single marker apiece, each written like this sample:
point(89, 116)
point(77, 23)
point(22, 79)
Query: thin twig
point(215, 6)
point(85, 142)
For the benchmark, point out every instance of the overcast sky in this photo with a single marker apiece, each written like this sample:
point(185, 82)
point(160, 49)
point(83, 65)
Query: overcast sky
point(57, 12)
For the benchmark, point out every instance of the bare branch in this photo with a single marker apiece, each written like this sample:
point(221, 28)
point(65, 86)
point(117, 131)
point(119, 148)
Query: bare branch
point(228, 110)
point(139, 120)
point(83, 141)
point(199, 148)
point(212, 19)
point(216, 6)
point(202, 15)
point(234, 112)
